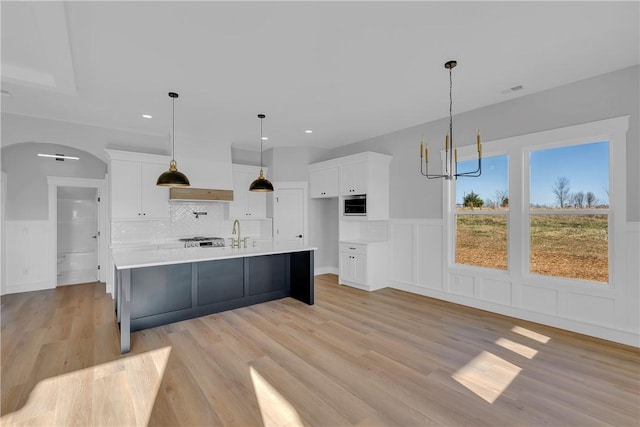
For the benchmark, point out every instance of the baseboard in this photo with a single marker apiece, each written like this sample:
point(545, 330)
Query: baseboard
point(28, 287)
point(325, 270)
point(631, 338)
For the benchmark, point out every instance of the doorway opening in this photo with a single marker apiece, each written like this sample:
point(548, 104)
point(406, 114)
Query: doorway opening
point(77, 212)
point(77, 230)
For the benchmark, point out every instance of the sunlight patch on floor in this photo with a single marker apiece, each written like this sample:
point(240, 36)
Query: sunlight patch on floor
point(121, 392)
point(521, 349)
point(487, 375)
point(274, 408)
point(530, 334)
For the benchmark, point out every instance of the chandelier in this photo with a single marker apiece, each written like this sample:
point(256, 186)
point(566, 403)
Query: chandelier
point(451, 153)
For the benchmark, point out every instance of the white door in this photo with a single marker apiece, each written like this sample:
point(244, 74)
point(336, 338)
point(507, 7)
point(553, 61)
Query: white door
point(289, 214)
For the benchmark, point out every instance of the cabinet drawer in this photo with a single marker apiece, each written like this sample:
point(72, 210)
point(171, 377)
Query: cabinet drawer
point(355, 248)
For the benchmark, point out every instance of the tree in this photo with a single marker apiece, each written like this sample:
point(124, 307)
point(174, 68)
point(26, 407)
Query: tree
point(591, 199)
point(561, 190)
point(472, 200)
point(502, 198)
point(578, 199)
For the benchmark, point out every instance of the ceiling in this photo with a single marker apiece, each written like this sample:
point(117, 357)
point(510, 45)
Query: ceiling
point(348, 71)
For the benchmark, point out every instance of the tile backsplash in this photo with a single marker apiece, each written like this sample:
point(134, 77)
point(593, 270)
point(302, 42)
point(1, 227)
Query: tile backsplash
point(183, 222)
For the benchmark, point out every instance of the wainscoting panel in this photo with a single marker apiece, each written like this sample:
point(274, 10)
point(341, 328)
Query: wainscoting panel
point(496, 291)
point(402, 252)
point(461, 285)
point(431, 257)
point(591, 309)
point(419, 264)
point(27, 262)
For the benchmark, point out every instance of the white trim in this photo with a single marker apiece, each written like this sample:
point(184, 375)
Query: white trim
point(628, 337)
point(325, 270)
point(3, 246)
point(30, 287)
point(100, 185)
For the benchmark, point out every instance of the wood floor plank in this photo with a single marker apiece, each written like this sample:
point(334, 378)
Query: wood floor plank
point(354, 358)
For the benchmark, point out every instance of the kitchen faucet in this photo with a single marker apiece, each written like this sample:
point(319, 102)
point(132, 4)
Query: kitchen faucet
point(239, 240)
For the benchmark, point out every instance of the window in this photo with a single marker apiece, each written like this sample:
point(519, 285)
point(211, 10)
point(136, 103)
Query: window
point(549, 207)
point(569, 211)
point(482, 208)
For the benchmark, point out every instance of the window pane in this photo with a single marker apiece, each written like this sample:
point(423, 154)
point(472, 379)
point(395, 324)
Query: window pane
point(482, 240)
point(488, 191)
point(575, 176)
point(572, 246)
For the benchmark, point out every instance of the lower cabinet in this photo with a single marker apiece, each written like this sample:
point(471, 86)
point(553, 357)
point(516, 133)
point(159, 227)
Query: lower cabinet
point(363, 266)
point(170, 293)
point(353, 268)
point(218, 281)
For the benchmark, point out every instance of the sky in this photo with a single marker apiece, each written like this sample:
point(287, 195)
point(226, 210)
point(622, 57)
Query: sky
point(586, 166)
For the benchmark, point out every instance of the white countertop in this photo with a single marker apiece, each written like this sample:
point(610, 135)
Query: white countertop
point(124, 259)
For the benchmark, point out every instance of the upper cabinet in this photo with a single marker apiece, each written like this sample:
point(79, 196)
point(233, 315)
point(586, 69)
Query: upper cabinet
point(355, 175)
point(324, 183)
point(134, 193)
point(247, 204)
point(353, 178)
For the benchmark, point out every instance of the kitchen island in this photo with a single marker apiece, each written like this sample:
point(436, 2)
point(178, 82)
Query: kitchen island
point(157, 287)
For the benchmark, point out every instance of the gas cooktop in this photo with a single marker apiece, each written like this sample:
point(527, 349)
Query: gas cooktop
point(203, 242)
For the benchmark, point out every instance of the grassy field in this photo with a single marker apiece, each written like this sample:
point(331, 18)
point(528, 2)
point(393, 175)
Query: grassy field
point(574, 246)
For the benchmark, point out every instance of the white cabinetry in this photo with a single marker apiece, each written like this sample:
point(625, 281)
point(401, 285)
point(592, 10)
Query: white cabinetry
point(323, 183)
point(247, 204)
point(353, 179)
point(134, 193)
point(363, 266)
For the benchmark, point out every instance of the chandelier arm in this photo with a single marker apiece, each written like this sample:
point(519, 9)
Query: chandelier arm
point(475, 173)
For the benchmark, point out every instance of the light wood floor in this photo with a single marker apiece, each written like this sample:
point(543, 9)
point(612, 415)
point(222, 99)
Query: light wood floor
point(354, 358)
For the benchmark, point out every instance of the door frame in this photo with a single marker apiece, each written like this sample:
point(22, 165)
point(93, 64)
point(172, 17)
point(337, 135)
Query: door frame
point(60, 181)
point(304, 186)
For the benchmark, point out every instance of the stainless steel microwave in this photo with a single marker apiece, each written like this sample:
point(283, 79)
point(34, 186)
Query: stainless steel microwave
point(355, 205)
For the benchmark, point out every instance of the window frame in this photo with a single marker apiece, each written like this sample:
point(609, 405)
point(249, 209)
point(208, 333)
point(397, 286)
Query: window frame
point(518, 150)
point(465, 154)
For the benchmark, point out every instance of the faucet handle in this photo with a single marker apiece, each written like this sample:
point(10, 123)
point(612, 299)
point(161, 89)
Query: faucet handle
point(244, 242)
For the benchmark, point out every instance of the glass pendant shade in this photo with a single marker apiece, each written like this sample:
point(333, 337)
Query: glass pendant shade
point(261, 184)
point(172, 177)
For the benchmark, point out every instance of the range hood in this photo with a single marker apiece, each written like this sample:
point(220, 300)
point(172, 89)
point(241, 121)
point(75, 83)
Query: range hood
point(201, 194)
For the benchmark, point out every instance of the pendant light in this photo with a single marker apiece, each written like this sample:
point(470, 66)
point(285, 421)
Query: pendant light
point(172, 177)
point(261, 184)
point(451, 153)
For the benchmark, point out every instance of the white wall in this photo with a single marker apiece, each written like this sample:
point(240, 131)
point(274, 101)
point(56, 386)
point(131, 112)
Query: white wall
point(610, 95)
point(26, 226)
point(27, 188)
point(418, 258)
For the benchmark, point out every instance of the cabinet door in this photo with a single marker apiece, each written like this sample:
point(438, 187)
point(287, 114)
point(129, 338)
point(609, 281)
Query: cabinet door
point(316, 184)
point(154, 199)
point(256, 203)
point(238, 208)
point(247, 204)
point(359, 266)
point(345, 267)
point(324, 183)
point(125, 189)
point(353, 179)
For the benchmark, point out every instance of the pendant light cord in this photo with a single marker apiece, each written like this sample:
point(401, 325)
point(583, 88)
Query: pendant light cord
point(451, 108)
point(261, 144)
point(173, 129)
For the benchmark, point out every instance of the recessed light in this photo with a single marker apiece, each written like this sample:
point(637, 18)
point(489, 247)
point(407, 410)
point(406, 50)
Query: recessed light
point(5, 92)
point(60, 157)
point(308, 131)
point(147, 116)
point(264, 138)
